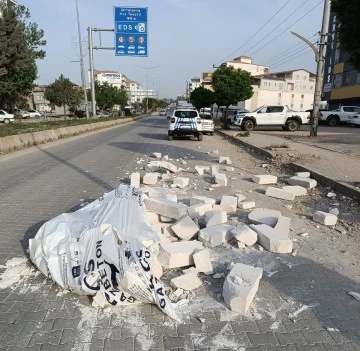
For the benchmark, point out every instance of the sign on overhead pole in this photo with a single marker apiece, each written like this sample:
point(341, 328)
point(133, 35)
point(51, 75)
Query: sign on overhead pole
point(131, 31)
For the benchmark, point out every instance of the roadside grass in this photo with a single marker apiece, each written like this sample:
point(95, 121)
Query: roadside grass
point(243, 134)
point(21, 128)
point(279, 146)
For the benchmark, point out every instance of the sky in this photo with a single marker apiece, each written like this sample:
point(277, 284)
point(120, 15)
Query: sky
point(186, 37)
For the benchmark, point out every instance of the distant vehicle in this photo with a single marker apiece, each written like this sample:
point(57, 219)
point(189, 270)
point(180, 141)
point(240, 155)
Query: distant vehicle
point(232, 118)
point(341, 115)
point(208, 124)
point(276, 115)
point(185, 121)
point(34, 114)
point(162, 113)
point(354, 120)
point(6, 117)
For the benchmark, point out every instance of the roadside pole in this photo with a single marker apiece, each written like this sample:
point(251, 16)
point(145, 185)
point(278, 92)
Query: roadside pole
point(92, 73)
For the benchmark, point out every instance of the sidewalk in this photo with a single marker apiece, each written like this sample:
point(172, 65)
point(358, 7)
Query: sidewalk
point(331, 168)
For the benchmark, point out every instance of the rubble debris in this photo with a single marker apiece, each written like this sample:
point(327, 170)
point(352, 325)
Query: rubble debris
point(279, 194)
point(307, 183)
point(156, 154)
point(264, 216)
point(341, 229)
point(331, 195)
point(165, 208)
point(185, 228)
point(199, 170)
point(180, 182)
point(246, 205)
point(178, 254)
point(325, 218)
point(304, 235)
point(193, 270)
point(302, 174)
point(214, 169)
point(283, 225)
point(195, 200)
point(245, 235)
point(240, 197)
point(218, 275)
point(135, 179)
point(355, 295)
point(240, 287)
point(221, 179)
point(225, 160)
point(168, 233)
point(202, 261)
point(335, 211)
point(229, 169)
point(157, 193)
point(164, 219)
point(229, 203)
point(264, 179)
point(165, 158)
point(150, 178)
point(186, 282)
point(215, 235)
point(297, 190)
point(157, 165)
point(272, 240)
point(215, 217)
point(198, 210)
point(157, 269)
point(241, 245)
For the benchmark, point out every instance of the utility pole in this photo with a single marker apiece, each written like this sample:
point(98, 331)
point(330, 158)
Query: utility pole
point(320, 59)
point(92, 74)
point(82, 69)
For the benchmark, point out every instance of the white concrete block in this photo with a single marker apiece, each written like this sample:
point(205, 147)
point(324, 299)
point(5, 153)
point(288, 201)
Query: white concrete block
point(303, 174)
point(215, 235)
point(165, 158)
point(157, 269)
point(135, 179)
point(185, 228)
point(156, 154)
point(283, 225)
point(264, 216)
point(240, 197)
point(215, 217)
point(169, 166)
point(195, 200)
point(165, 208)
point(297, 190)
point(157, 165)
point(178, 254)
point(244, 234)
point(181, 182)
point(168, 233)
point(199, 170)
point(202, 261)
point(229, 203)
point(225, 160)
point(335, 211)
point(272, 240)
point(240, 287)
point(214, 169)
point(157, 193)
point(221, 179)
point(246, 205)
point(325, 218)
point(279, 194)
point(150, 178)
point(304, 182)
point(229, 169)
point(164, 219)
point(264, 179)
point(171, 197)
point(186, 282)
point(190, 270)
point(198, 210)
point(152, 218)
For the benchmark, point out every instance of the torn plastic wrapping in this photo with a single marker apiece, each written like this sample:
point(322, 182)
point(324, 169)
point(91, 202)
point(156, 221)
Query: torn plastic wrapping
point(99, 249)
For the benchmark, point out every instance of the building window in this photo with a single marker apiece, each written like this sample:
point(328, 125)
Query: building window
point(297, 77)
point(338, 80)
point(281, 85)
point(279, 98)
point(305, 78)
point(337, 56)
point(302, 106)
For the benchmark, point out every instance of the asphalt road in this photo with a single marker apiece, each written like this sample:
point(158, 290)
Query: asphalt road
point(42, 182)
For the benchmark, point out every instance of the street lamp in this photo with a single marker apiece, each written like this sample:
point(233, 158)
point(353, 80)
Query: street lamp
point(147, 83)
point(153, 83)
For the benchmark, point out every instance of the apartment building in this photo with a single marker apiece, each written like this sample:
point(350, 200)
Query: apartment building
point(246, 63)
point(341, 84)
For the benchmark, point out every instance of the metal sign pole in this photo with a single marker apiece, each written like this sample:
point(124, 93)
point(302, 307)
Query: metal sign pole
point(92, 73)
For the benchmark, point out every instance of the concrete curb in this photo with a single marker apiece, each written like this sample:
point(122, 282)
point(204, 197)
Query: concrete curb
point(21, 141)
point(346, 189)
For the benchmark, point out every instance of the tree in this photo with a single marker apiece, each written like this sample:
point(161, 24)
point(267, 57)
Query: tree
point(348, 13)
point(64, 93)
point(108, 95)
point(202, 97)
point(231, 86)
point(20, 47)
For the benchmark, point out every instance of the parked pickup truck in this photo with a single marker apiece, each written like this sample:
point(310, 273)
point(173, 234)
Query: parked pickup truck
point(276, 115)
point(341, 115)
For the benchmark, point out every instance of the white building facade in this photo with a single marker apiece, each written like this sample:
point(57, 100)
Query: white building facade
point(246, 63)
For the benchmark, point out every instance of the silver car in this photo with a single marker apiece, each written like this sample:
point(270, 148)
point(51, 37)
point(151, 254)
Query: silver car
point(207, 123)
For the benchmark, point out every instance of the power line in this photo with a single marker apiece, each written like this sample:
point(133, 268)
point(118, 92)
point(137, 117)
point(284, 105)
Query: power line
point(263, 26)
point(289, 60)
point(286, 29)
point(279, 25)
point(286, 57)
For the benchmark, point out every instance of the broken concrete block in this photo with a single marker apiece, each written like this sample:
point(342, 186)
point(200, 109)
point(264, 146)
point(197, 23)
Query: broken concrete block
point(229, 169)
point(157, 193)
point(169, 166)
point(279, 194)
point(202, 261)
point(225, 160)
point(264, 179)
point(331, 194)
point(199, 170)
point(171, 197)
point(240, 197)
point(244, 234)
point(187, 282)
point(168, 233)
point(152, 218)
point(154, 166)
point(215, 235)
point(214, 170)
point(335, 211)
point(156, 154)
point(303, 174)
point(195, 200)
point(297, 190)
point(165, 158)
point(272, 240)
point(198, 210)
point(325, 218)
point(180, 182)
point(229, 203)
point(264, 216)
point(304, 182)
point(221, 179)
point(178, 254)
point(164, 219)
point(185, 228)
point(240, 287)
point(246, 205)
point(283, 225)
point(135, 179)
point(150, 178)
point(215, 217)
point(157, 269)
point(241, 245)
point(165, 208)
